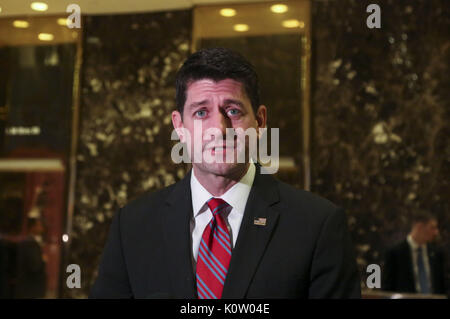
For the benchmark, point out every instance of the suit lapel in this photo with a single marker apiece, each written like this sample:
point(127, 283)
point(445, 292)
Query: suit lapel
point(252, 239)
point(432, 264)
point(409, 265)
point(177, 212)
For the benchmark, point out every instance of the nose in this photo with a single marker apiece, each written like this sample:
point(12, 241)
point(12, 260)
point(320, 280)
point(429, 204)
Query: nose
point(221, 121)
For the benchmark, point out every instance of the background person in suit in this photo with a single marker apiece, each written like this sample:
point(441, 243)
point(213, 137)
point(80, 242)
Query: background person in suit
point(3, 269)
point(31, 273)
point(11, 209)
point(226, 230)
point(415, 265)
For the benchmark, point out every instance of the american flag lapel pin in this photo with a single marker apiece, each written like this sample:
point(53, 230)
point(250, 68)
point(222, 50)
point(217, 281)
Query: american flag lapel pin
point(260, 221)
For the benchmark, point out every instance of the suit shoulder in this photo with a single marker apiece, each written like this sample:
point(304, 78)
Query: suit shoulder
point(147, 202)
point(398, 247)
point(306, 205)
point(294, 197)
point(436, 249)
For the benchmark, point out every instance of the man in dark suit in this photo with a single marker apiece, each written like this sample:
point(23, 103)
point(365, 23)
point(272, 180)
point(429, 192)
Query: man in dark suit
point(226, 230)
point(30, 281)
point(3, 269)
point(415, 265)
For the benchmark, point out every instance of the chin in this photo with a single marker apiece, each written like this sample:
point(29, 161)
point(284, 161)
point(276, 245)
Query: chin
point(222, 169)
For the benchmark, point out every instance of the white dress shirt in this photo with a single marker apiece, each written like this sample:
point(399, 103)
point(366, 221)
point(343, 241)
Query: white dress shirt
point(414, 246)
point(236, 197)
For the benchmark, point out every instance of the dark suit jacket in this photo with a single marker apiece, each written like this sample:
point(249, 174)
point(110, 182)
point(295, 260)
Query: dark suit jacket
point(303, 251)
point(398, 273)
point(31, 274)
point(3, 270)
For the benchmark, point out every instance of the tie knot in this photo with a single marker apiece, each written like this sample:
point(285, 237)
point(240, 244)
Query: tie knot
point(216, 205)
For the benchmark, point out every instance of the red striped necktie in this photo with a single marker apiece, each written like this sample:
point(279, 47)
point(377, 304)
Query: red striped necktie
point(214, 253)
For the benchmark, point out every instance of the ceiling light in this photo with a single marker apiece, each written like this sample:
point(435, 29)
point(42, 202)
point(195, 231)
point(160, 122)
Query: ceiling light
point(279, 8)
point(45, 36)
point(293, 23)
point(227, 12)
point(22, 24)
point(240, 27)
point(62, 21)
point(39, 6)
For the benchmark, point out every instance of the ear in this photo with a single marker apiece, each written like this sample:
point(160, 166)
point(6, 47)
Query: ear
point(261, 116)
point(177, 122)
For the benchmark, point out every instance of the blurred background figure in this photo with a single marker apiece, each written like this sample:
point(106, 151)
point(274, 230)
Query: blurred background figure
point(31, 276)
point(416, 264)
point(11, 208)
point(3, 263)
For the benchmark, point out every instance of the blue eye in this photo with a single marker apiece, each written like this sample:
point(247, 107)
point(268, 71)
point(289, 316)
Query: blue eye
point(200, 113)
point(234, 112)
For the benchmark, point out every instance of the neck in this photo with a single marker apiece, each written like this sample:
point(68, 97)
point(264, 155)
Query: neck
point(417, 238)
point(217, 185)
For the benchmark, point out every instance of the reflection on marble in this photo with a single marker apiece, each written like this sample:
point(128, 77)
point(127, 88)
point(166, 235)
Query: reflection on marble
point(128, 93)
point(381, 117)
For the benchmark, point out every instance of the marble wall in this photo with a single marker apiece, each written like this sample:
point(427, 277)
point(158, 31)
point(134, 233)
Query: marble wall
point(381, 117)
point(127, 93)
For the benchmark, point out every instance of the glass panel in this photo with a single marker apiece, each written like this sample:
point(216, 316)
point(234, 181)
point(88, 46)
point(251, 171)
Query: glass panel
point(39, 97)
point(31, 206)
point(38, 108)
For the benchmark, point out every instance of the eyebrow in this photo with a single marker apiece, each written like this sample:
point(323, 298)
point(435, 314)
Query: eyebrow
point(232, 101)
point(193, 105)
point(197, 104)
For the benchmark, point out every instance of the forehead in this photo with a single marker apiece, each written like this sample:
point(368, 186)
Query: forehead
point(429, 223)
point(205, 88)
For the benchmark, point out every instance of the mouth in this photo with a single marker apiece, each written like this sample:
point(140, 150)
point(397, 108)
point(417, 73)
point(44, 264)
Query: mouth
point(221, 148)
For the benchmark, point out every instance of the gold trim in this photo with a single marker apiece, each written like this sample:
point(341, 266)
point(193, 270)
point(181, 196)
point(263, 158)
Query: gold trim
point(306, 111)
point(24, 165)
point(74, 138)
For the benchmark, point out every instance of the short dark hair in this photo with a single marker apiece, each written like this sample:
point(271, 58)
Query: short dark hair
point(422, 216)
point(217, 64)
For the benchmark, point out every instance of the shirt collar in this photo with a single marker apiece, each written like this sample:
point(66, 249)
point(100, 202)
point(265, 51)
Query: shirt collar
point(236, 196)
point(413, 243)
point(199, 195)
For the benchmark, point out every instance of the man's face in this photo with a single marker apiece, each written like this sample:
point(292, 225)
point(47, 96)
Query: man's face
point(430, 230)
point(217, 105)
